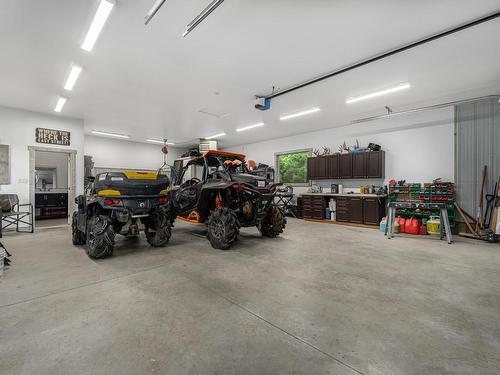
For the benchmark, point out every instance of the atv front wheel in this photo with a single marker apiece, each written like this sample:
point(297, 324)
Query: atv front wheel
point(274, 223)
point(223, 228)
point(159, 229)
point(77, 235)
point(100, 237)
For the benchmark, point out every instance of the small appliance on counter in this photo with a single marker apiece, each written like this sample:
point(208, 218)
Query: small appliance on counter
point(335, 188)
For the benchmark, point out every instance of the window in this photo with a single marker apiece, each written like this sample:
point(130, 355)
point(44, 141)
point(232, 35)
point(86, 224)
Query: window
point(292, 167)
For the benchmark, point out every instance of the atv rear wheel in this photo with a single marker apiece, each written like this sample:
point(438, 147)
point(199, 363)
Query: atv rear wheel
point(159, 229)
point(223, 228)
point(100, 237)
point(77, 235)
point(274, 223)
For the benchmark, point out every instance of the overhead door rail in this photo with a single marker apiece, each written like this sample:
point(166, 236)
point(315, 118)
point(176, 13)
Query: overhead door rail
point(384, 55)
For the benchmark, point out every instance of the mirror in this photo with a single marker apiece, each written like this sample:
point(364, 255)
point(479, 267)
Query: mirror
point(45, 179)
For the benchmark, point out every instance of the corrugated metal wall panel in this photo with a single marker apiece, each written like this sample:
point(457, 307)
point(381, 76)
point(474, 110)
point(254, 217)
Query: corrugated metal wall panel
point(477, 144)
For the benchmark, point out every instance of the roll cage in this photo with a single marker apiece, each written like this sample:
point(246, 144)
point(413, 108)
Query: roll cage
point(223, 170)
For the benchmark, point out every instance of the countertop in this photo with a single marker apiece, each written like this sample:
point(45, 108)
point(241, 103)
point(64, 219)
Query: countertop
point(52, 192)
point(346, 195)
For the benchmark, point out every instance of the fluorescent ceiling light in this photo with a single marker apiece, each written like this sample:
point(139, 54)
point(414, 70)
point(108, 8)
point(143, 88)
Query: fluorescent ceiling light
point(200, 17)
point(60, 104)
point(216, 136)
point(250, 127)
point(302, 113)
point(97, 132)
point(97, 24)
point(159, 141)
point(73, 76)
point(156, 6)
point(402, 86)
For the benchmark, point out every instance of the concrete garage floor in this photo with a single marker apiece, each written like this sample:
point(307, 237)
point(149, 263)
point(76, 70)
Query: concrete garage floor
point(323, 299)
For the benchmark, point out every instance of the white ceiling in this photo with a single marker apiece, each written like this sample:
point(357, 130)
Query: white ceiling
point(149, 81)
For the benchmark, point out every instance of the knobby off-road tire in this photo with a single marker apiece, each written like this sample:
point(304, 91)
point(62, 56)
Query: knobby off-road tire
point(78, 237)
point(100, 237)
point(223, 227)
point(159, 229)
point(274, 223)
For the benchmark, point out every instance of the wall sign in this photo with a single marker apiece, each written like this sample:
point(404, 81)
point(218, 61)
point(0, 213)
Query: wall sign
point(53, 137)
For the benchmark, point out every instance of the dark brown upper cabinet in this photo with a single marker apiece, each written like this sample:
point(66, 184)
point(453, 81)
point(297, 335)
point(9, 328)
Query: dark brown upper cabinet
point(375, 164)
point(354, 165)
point(359, 165)
point(322, 166)
point(311, 169)
point(333, 166)
point(345, 166)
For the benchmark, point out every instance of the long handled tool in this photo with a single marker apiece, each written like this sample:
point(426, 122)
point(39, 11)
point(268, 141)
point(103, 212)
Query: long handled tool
point(479, 222)
point(495, 208)
point(491, 200)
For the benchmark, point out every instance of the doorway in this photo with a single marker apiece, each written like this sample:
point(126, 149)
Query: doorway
point(52, 180)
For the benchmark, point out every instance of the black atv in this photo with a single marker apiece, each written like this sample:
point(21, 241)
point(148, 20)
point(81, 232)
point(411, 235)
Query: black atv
point(119, 202)
point(216, 189)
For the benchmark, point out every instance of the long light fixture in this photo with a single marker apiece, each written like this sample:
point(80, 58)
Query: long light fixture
point(216, 136)
point(155, 8)
point(200, 17)
point(250, 127)
point(298, 114)
point(73, 76)
point(97, 24)
point(401, 86)
point(159, 141)
point(98, 132)
point(60, 104)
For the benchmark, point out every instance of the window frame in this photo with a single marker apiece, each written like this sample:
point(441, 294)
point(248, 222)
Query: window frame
point(277, 165)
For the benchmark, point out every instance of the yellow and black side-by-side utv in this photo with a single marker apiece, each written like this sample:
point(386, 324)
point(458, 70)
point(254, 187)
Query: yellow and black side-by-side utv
point(122, 203)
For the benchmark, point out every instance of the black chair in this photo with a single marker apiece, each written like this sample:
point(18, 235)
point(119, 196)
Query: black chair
point(13, 213)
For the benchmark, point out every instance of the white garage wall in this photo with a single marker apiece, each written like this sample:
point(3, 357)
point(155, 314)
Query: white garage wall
point(419, 147)
point(17, 129)
point(113, 153)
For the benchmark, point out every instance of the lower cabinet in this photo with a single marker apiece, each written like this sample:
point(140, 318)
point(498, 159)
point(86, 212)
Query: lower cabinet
point(373, 211)
point(355, 205)
point(313, 207)
point(352, 209)
point(342, 209)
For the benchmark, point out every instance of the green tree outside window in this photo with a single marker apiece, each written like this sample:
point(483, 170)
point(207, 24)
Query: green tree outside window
point(293, 167)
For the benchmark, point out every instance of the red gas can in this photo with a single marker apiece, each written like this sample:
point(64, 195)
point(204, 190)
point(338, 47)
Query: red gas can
point(412, 226)
point(423, 229)
point(401, 221)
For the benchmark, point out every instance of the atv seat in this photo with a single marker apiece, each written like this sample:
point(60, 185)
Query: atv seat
point(13, 213)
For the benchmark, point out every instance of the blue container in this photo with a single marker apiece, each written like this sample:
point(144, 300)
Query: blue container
point(327, 214)
point(383, 225)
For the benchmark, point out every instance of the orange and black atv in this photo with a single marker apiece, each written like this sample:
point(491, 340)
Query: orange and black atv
point(122, 203)
point(215, 188)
